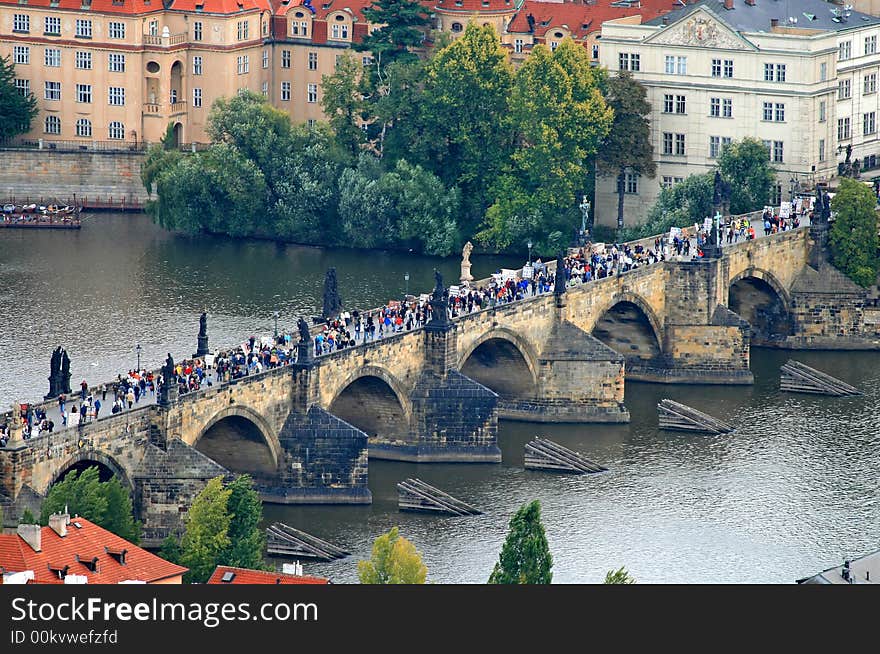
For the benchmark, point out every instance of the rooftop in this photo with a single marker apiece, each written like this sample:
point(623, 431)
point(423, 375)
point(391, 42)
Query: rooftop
point(580, 18)
point(862, 570)
point(228, 575)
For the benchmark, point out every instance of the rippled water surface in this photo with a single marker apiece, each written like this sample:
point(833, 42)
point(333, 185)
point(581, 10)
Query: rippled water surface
point(792, 491)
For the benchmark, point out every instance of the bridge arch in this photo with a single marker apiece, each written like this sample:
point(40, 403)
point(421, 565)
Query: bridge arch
point(503, 361)
point(375, 402)
point(628, 325)
point(241, 440)
point(757, 296)
point(85, 458)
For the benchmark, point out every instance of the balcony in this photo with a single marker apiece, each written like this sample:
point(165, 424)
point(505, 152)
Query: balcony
point(166, 109)
point(151, 108)
point(178, 107)
point(164, 41)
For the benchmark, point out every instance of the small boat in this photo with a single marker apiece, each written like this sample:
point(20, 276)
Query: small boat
point(8, 208)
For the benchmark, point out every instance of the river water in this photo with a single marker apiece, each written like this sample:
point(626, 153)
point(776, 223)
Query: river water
point(794, 490)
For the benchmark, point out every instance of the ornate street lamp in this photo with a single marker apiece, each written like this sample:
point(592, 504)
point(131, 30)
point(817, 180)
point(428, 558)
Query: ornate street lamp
point(406, 279)
point(529, 245)
point(138, 349)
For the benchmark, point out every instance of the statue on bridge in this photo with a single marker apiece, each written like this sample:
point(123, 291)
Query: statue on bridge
point(466, 275)
point(169, 377)
point(202, 348)
point(305, 335)
point(439, 304)
point(332, 299)
point(560, 280)
point(65, 372)
point(54, 374)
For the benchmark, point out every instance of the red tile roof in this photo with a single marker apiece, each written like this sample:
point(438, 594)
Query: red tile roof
point(137, 7)
point(87, 541)
point(579, 18)
point(490, 6)
point(246, 576)
point(325, 7)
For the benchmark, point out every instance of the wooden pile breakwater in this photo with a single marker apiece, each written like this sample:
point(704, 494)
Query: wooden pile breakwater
point(283, 540)
point(799, 378)
point(541, 454)
point(677, 416)
point(416, 495)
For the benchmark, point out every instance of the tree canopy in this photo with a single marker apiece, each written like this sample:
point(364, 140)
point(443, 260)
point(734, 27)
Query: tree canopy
point(853, 238)
point(619, 576)
point(746, 166)
point(394, 560)
point(206, 537)
point(106, 503)
point(525, 556)
point(17, 109)
point(403, 24)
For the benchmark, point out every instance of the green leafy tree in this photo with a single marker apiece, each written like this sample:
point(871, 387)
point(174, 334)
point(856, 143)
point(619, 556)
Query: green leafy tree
point(27, 517)
point(525, 556)
point(403, 25)
point(681, 205)
point(342, 102)
point(207, 532)
point(171, 550)
point(620, 576)
point(394, 560)
point(559, 127)
point(746, 166)
point(17, 110)
point(627, 147)
point(246, 540)
point(853, 236)
point(107, 504)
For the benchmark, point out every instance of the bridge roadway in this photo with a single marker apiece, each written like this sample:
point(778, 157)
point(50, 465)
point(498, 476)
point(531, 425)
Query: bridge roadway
point(52, 410)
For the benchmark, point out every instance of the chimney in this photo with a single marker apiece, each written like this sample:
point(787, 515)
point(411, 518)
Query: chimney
point(774, 22)
point(666, 20)
point(728, 4)
point(59, 522)
point(31, 534)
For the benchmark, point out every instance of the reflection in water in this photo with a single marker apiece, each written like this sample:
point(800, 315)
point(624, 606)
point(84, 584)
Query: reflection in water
point(792, 491)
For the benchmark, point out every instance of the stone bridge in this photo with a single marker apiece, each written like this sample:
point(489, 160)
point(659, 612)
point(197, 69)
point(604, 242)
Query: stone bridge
point(435, 394)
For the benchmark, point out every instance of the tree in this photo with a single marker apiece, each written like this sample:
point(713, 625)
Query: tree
point(17, 109)
point(853, 236)
point(342, 102)
point(746, 166)
point(246, 540)
point(403, 26)
point(525, 556)
point(171, 550)
point(683, 204)
point(27, 517)
point(628, 144)
point(620, 576)
point(107, 504)
point(394, 560)
point(207, 531)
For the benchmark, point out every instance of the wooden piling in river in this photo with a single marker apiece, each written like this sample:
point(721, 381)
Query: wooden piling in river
point(283, 540)
point(541, 454)
point(799, 378)
point(416, 495)
point(674, 415)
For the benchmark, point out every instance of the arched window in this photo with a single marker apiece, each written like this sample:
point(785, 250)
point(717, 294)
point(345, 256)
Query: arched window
point(117, 130)
point(83, 127)
point(456, 27)
point(558, 35)
point(53, 125)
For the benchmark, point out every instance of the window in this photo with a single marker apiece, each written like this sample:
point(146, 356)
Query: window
point(667, 142)
point(727, 108)
point(83, 28)
point(52, 90)
point(311, 122)
point(21, 54)
point(669, 181)
point(680, 104)
point(313, 61)
point(116, 95)
point(843, 129)
point(197, 65)
point(52, 125)
point(716, 68)
point(457, 27)
point(728, 68)
point(769, 115)
point(265, 58)
point(553, 45)
point(630, 61)
point(869, 124)
point(335, 31)
point(83, 60)
point(116, 131)
point(154, 28)
point(780, 112)
point(83, 127)
point(116, 62)
point(870, 45)
point(774, 72)
point(336, 63)
point(715, 107)
point(725, 140)
point(844, 89)
point(299, 29)
point(595, 51)
point(822, 111)
point(21, 23)
point(367, 60)
point(681, 65)
point(668, 103)
point(83, 92)
point(714, 146)
point(674, 104)
point(670, 65)
point(244, 65)
point(631, 183)
point(52, 26)
point(821, 149)
point(285, 58)
point(23, 86)
point(776, 194)
point(312, 93)
point(197, 98)
point(242, 30)
point(518, 45)
point(679, 145)
point(116, 30)
point(53, 57)
point(722, 68)
point(870, 83)
point(823, 71)
point(197, 30)
point(285, 91)
point(264, 88)
point(777, 151)
point(844, 50)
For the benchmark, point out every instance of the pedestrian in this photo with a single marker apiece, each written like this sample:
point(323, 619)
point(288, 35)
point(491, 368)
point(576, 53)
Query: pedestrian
point(61, 400)
point(129, 397)
point(97, 407)
point(104, 392)
point(85, 389)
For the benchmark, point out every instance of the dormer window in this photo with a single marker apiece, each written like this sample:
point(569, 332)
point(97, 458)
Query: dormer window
point(299, 14)
point(90, 563)
point(558, 35)
point(117, 554)
point(59, 570)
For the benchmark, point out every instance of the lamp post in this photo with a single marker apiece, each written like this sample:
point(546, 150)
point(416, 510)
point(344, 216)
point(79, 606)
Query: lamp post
point(138, 350)
point(406, 279)
point(529, 245)
point(275, 314)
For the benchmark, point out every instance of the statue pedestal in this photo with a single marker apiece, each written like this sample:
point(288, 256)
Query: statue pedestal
point(202, 349)
point(305, 353)
point(16, 429)
point(54, 387)
point(466, 273)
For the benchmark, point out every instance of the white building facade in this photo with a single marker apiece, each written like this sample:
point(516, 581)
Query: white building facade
point(717, 71)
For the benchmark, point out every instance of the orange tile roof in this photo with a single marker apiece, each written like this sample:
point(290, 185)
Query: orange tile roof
point(579, 18)
point(325, 7)
point(247, 576)
point(137, 7)
point(87, 541)
point(490, 6)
